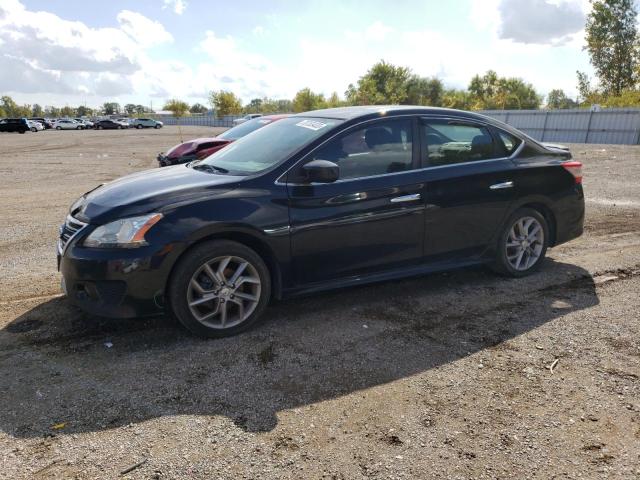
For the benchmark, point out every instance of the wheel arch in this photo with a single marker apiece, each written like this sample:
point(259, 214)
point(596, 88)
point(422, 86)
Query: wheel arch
point(247, 239)
point(546, 211)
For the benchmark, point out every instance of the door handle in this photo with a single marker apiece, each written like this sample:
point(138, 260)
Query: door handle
point(500, 186)
point(406, 198)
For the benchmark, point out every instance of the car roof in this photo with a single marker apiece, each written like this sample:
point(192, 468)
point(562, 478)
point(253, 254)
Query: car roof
point(277, 116)
point(349, 113)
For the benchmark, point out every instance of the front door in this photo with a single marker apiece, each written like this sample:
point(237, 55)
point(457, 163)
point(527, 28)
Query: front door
point(372, 218)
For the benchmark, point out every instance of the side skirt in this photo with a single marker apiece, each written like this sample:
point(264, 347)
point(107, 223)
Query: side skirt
point(380, 277)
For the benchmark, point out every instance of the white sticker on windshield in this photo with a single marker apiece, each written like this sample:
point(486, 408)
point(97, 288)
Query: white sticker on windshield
point(264, 121)
point(311, 124)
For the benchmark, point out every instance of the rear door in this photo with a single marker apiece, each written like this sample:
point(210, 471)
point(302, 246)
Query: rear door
point(372, 218)
point(469, 186)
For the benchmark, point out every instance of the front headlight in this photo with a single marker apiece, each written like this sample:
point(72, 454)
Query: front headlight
point(123, 233)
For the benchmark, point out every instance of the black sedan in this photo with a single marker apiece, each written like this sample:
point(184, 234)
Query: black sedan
point(108, 124)
point(321, 200)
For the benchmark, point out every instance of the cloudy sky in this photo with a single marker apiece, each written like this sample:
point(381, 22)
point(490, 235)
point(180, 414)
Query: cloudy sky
point(68, 52)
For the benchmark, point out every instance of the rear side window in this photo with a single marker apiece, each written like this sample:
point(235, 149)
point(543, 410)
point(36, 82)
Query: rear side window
point(448, 143)
point(379, 148)
point(509, 142)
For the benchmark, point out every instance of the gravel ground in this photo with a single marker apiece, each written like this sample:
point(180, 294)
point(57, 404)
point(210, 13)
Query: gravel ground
point(454, 375)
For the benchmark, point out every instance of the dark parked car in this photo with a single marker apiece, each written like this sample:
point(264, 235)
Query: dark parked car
point(19, 125)
point(203, 147)
point(105, 124)
point(46, 123)
point(321, 200)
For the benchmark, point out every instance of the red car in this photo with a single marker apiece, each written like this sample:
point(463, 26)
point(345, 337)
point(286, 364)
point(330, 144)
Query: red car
point(200, 148)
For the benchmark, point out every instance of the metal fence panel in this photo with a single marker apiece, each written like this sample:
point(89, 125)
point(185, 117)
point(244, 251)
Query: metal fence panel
point(614, 126)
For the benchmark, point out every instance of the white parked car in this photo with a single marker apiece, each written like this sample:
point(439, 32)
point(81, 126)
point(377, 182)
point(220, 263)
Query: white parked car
point(67, 124)
point(145, 123)
point(85, 122)
point(35, 126)
point(246, 118)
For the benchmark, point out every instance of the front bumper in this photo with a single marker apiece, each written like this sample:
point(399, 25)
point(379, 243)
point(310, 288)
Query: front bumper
point(115, 283)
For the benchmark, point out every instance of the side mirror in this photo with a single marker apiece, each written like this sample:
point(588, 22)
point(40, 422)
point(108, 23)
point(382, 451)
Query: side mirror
point(321, 171)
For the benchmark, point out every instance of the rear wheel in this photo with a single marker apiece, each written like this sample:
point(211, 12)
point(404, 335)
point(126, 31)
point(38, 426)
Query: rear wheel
point(220, 288)
point(58, 128)
point(138, 126)
point(523, 243)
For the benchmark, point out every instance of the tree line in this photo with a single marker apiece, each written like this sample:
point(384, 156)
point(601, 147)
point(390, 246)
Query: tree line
point(612, 43)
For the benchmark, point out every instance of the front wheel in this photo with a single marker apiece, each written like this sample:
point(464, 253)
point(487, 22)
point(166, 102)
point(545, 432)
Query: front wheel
point(523, 243)
point(34, 129)
point(138, 126)
point(219, 288)
point(58, 128)
point(157, 126)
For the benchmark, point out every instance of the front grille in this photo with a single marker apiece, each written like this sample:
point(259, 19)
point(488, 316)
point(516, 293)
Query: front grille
point(68, 230)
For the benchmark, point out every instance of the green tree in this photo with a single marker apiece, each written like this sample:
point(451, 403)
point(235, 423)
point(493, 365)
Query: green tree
point(334, 101)
point(9, 106)
point(225, 102)
point(36, 110)
point(493, 92)
point(52, 112)
point(3, 114)
point(284, 106)
point(460, 99)
point(254, 106)
point(83, 111)
point(557, 99)
point(306, 100)
point(67, 111)
point(384, 83)
point(111, 108)
point(424, 91)
point(179, 110)
point(130, 108)
point(612, 44)
point(141, 109)
point(198, 108)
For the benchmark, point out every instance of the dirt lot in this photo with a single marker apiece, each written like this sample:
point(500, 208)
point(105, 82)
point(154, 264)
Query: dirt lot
point(443, 376)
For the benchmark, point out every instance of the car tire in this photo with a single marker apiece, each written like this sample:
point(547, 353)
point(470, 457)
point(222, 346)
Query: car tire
point(58, 128)
point(138, 126)
point(119, 127)
point(34, 129)
point(522, 244)
point(99, 127)
point(157, 126)
point(78, 128)
point(225, 313)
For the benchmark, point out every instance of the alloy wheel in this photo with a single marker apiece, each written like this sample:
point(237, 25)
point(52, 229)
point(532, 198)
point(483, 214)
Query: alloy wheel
point(224, 292)
point(525, 243)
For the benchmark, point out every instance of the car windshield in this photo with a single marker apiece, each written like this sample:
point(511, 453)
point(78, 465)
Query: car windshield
point(244, 128)
point(268, 146)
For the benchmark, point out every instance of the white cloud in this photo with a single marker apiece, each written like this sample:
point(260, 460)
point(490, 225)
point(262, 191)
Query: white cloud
point(540, 21)
point(41, 53)
point(178, 6)
point(144, 31)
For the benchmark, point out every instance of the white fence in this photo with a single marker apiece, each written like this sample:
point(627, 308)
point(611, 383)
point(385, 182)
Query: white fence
point(611, 125)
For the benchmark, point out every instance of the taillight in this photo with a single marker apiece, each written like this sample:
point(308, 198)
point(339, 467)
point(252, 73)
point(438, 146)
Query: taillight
point(575, 169)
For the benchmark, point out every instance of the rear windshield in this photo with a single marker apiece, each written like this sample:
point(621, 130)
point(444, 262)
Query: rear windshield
point(244, 128)
point(270, 145)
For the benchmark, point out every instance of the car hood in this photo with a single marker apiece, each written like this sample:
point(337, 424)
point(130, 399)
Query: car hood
point(150, 190)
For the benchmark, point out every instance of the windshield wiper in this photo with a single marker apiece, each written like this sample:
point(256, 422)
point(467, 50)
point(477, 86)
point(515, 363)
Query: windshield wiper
point(210, 168)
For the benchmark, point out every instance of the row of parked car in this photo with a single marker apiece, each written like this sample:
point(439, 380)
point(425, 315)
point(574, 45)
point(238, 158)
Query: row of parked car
point(37, 124)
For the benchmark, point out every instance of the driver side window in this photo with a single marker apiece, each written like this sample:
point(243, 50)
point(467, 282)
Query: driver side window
point(378, 148)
